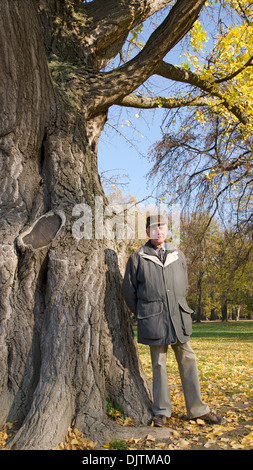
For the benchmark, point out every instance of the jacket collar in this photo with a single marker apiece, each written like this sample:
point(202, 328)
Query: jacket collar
point(148, 251)
point(149, 248)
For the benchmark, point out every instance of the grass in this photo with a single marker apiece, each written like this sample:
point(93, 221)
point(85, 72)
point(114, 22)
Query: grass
point(225, 364)
point(224, 355)
point(223, 330)
point(242, 330)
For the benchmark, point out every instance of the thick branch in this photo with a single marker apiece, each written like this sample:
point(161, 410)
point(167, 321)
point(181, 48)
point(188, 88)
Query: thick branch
point(106, 24)
point(122, 81)
point(186, 76)
point(111, 21)
point(179, 74)
point(124, 12)
point(149, 102)
point(100, 10)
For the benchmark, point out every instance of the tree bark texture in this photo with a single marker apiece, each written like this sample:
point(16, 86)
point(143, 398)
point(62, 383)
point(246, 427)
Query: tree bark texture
point(66, 341)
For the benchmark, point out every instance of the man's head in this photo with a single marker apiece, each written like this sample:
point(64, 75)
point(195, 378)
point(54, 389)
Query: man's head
point(157, 229)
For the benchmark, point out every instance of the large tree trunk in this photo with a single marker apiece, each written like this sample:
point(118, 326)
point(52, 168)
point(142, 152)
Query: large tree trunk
point(66, 338)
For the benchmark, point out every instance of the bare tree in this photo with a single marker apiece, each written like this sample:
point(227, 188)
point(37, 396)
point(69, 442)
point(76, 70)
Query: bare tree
point(66, 340)
point(206, 168)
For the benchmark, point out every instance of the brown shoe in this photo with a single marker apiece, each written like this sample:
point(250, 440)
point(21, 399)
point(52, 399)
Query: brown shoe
point(212, 418)
point(160, 420)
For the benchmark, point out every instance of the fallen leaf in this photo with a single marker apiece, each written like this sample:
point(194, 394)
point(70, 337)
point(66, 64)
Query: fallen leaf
point(201, 422)
point(128, 422)
point(150, 438)
point(237, 446)
point(74, 442)
point(183, 443)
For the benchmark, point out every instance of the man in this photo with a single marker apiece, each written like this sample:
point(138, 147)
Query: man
point(155, 287)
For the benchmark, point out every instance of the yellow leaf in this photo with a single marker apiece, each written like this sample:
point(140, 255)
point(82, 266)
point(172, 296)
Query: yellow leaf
point(74, 442)
point(201, 422)
point(128, 422)
point(150, 438)
point(183, 443)
point(237, 446)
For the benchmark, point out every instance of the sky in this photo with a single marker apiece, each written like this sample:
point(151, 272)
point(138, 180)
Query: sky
point(129, 133)
point(123, 149)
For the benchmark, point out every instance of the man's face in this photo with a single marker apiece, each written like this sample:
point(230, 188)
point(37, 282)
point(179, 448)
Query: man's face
point(157, 234)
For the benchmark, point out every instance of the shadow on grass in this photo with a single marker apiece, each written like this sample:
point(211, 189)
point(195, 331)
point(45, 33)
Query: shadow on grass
point(241, 330)
point(238, 330)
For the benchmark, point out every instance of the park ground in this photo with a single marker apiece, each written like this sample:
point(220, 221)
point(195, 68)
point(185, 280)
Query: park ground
point(225, 362)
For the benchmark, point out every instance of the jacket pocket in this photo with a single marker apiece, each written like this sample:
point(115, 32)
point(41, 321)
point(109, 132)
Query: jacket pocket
point(150, 324)
point(185, 313)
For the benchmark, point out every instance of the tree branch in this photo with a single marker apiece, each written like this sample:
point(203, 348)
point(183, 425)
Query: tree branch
point(111, 21)
point(135, 10)
point(149, 102)
point(130, 12)
point(105, 22)
point(179, 74)
point(122, 81)
point(237, 72)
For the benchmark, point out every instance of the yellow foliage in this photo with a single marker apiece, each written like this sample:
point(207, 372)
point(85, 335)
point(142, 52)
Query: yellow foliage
point(226, 64)
point(75, 440)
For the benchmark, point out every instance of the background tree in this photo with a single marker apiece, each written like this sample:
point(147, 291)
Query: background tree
point(201, 246)
point(220, 283)
point(234, 261)
point(66, 341)
point(205, 156)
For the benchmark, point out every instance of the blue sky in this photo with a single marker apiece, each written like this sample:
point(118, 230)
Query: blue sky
point(130, 133)
point(126, 139)
point(124, 151)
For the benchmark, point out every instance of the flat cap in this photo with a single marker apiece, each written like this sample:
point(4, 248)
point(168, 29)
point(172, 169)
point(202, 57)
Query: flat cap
point(155, 220)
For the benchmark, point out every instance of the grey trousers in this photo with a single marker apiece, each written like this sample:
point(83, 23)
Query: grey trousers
point(188, 370)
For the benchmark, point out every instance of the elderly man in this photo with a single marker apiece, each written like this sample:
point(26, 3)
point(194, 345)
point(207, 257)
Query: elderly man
point(155, 287)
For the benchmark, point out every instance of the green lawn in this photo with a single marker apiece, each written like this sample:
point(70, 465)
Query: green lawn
point(224, 355)
point(221, 330)
point(241, 330)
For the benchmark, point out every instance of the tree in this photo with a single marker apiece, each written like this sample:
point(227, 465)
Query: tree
point(66, 340)
point(205, 155)
point(201, 244)
point(220, 263)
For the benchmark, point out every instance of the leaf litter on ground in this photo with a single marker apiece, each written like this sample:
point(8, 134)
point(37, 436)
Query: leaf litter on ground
point(225, 370)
